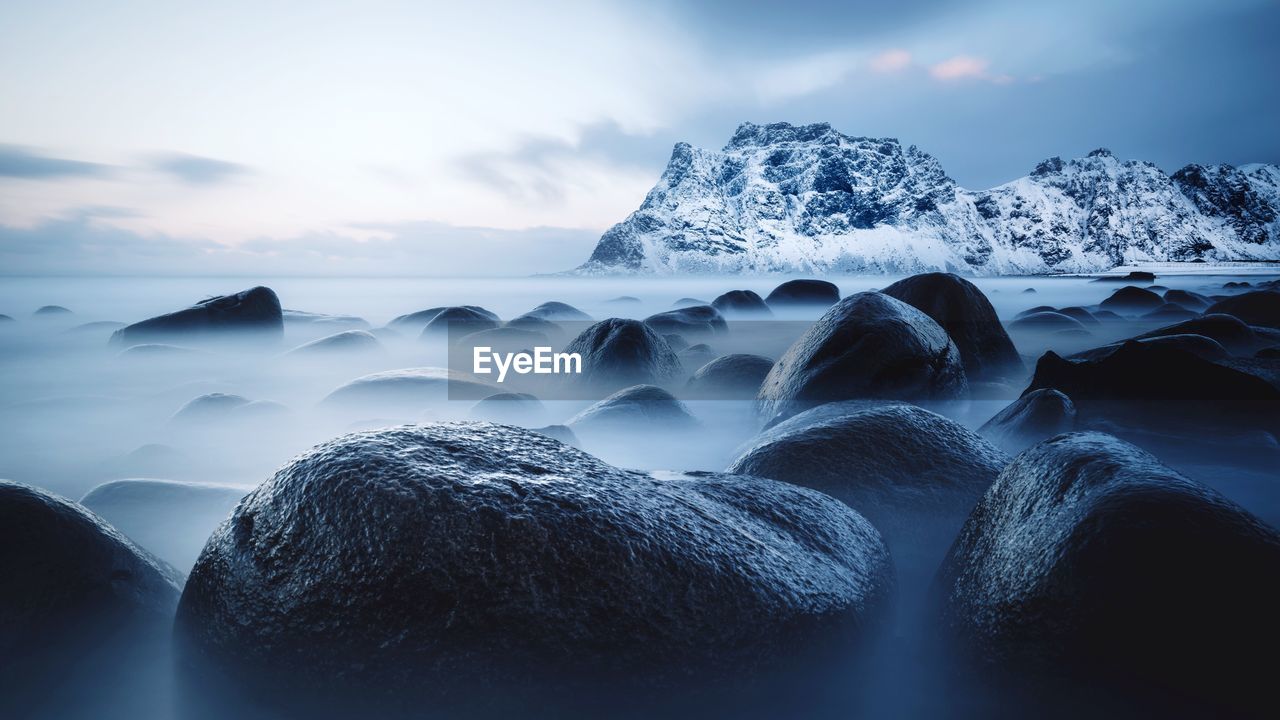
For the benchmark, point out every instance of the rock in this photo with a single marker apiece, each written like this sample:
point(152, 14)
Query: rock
point(300, 318)
point(1170, 312)
point(52, 311)
point(1197, 345)
point(676, 342)
point(961, 309)
point(100, 327)
point(688, 302)
point(162, 351)
point(623, 300)
point(1046, 321)
point(730, 377)
point(530, 323)
point(407, 390)
point(741, 303)
point(1260, 307)
point(504, 340)
point(457, 321)
point(695, 356)
point(1031, 418)
point(171, 519)
point(1088, 560)
point(1029, 291)
point(560, 433)
point(511, 408)
point(1161, 388)
point(1107, 316)
point(1080, 315)
point(1188, 299)
point(211, 406)
point(804, 292)
point(558, 311)
point(415, 322)
point(868, 346)
point(349, 342)
point(1229, 331)
point(618, 353)
point(1132, 300)
point(6, 319)
point(637, 407)
point(695, 321)
point(470, 568)
point(1236, 285)
point(250, 314)
point(1270, 353)
point(1034, 310)
point(1133, 276)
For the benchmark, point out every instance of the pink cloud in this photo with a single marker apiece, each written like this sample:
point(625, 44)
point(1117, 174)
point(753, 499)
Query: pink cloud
point(960, 67)
point(891, 61)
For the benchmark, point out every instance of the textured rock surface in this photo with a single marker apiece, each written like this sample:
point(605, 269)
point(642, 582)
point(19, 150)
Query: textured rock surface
point(1089, 559)
point(868, 346)
point(251, 313)
point(730, 376)
point(618, 353)
point(1031, 418)
point(468, 564)
point(968, 317)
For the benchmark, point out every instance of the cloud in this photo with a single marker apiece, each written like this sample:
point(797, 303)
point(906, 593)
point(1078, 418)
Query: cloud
point(196, 170)
point(891, 61)
point(17, 161)
point(960, 67)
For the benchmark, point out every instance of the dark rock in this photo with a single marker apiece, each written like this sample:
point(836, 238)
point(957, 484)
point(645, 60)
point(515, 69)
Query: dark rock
point(536, 324)
point(1270, 353)
point(804, 292)
point(1133, 276)
point(52, 311)
point(252, 313)
point(695, 356)
point(348, 342)
point(968, 317)
point(677, 342)
point(636, 407)
point(695, 321)
point(1031, 418)
point(1231, 332)
point(1170, 312)
point(1079, 314)
point(414, 322)
point(321, 320)
point(1198, 345)
point(1260, 307)
point(1132, 300)
point(1188, 299)
point(1034, 310)
point(6, 319)
point(511, 408)
point(1237, 285)
point(688, 302)
point(477, 569)
point(1046, 321)
point(730, 377)
point(1090, 565)
point(1029, 291)
point(558, 311)
point(408, 390)
point(1107, 316)
point(868, 346)
point(171, 519)
point(617, 353)
point(741, 303)
point(456, 322)
point(623, 300)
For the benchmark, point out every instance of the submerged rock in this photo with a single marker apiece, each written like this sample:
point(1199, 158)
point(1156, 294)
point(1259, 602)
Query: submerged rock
point(482, 569)
point(251, 314)
point(617, 353)
point(1047, 321)
point(415, 322)
point(1229, 331)
point(1132, 300)
point(1260, 307)
point(48, 311)
point(693, 321)
point(1034, 310)
point(210, 406)
point(1197, 345)
point(961, 309)
point(730, 376)
point(349, 342)
point(407, 390)
point(868, 346)
point(458, 321)
point(1081, 315)
point(804, 292)
point(300, 318)
point(1187, 299)
point(637, 408)
point(511, 408)
point(741, 303)
point(1170, 312)
point(1031, 418)
point(1088, 560)
point(695, 356)
point(558, 311)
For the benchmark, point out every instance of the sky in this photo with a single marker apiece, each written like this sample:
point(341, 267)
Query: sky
point(502, 137)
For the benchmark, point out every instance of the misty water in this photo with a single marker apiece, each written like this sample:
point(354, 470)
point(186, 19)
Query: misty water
point(78, 411)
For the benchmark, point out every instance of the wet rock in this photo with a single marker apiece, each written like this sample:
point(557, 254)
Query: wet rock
point(1029, 291)
point(804, 292)
point(171, 519)
point(1107, 316)
point(1231, 332)
point(349, 342)
point(1197, 345)
point(1237, 285)
point(408, 390)
point(511, 408)
point(618, 353)
point(558, 311)
point(868, 346)
point(1090, 564)
point(1170, 312)
point(694, 321)
point(456, 322)
point(1031, 418)
point(250, 314)
point(641, 407)
point(1046, 322)
point(961, 309)
point(1132, 300)
point(478, 569)
point(415, 322)
point(730, 377)
point(1260, 307)
point(1188, 299)
point(741, 303)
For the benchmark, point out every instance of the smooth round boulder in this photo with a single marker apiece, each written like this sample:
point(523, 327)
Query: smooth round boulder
point(456, 322)
point(1260, 307)
point(408, 390)
point(530, 323)
point(511, 408)
point(480, 570)
point(688, 302)
point(730, 377)
point(208, 407)
point(1034, 310)
point(819, 293)
point(49, 311)
point(1031, 418)
point(1047, 321)
point(346, 343)
point(741, 303)
point(695, 356)
point(1132, 300)
point(1187, 299)
point(502, 340)
point(619, 353)
point(1081, 315)
point(303, 319)
point(868, 346)
point(558, 311)
point(1092, 567)
point(414, 322)
point(1197, 345)
point(693, 321)
point(677, 342)
point(1229, 331)
point(641, 407)
point(250, 314)
point(967, 316)
point(1170, 312)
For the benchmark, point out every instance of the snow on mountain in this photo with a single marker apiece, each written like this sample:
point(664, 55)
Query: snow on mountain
point(784, 198)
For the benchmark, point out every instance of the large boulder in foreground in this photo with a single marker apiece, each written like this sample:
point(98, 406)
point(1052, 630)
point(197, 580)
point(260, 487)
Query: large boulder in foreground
point(617, 353)
point(801, 293)
point(250, 314)
point(736, 376)
point(1031, 418)
point(1260, 307)
point(868, 346)
point(1089, 562)
point(968, 317)
point(476, 569)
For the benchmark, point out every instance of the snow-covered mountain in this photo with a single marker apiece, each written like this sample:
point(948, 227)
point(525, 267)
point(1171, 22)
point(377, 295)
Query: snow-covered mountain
point(784, 198)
